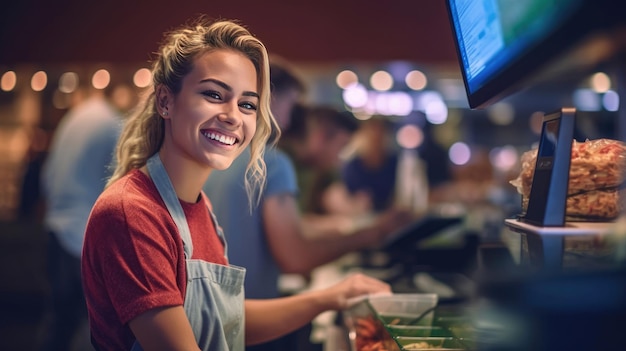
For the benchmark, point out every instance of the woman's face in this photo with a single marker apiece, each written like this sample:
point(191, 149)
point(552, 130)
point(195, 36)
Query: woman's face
point(213, 118)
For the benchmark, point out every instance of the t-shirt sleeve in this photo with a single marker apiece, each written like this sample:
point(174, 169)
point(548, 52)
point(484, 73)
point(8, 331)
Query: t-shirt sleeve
point(281, 175)
point(134, 257)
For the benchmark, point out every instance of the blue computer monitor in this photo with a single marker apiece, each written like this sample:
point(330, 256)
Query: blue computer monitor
point(503, 45)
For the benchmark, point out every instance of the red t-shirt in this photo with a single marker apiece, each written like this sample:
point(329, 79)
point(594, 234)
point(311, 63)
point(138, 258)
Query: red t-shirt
point(133, 258)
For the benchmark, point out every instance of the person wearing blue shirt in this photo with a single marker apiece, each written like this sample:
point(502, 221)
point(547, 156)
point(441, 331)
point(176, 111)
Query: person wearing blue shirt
point(74, 174)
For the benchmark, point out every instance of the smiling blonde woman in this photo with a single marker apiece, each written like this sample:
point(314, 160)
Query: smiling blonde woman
point(155, 266)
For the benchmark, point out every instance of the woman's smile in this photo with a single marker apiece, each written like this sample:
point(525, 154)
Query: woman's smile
point(219, 137)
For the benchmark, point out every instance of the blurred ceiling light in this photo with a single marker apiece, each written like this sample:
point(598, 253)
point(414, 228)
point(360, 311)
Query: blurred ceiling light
point(503, 158)
point(600, 82)
point(409, 136)
point(68, 82)
point(101, 79)
point(400, 103)
point(586, 100)
point(416, 80)
point(346, 78)
point(355, 95)
point(436, 112)
point(381, 81)
point(8, 81)
point(501, 113)
point(370, 104)
point(610, 101)
point(459, 153)
point(381, 104)
point(39, 81)
point(142, 78)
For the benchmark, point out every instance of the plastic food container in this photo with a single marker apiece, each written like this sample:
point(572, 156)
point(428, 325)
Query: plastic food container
point(431, 343)
point(417, 331)
point(405, 322)
point(374, 322)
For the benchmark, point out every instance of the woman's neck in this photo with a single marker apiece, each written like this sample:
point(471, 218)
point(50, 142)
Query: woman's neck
point(186, 176)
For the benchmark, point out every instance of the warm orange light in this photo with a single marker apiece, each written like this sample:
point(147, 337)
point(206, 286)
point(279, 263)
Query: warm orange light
point(142, 78)
point(8, 81)
point(101, 79)
point(39, 81)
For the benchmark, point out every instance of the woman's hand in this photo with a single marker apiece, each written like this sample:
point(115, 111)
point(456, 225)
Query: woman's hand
point(354, 285)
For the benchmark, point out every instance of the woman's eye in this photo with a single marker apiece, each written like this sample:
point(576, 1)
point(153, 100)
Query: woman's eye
point(248, 106)
point(212, 94)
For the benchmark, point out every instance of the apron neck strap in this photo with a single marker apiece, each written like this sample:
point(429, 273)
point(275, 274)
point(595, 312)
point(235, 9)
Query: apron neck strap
point(168, 194)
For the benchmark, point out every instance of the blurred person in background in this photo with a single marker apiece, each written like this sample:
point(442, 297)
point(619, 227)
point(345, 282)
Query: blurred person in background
point(74, 174)
point(371, 171)
point(271, 239)
point(31, 204)
point(155, 266)
point(317, 141)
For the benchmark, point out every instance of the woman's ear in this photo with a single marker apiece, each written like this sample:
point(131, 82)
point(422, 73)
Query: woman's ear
point(163, 98)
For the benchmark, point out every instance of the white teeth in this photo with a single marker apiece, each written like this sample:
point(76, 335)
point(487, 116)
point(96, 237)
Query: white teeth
point(221, 138)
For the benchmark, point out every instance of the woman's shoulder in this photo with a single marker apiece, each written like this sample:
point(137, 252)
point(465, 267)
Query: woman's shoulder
point(130, 207)
point(132, 192)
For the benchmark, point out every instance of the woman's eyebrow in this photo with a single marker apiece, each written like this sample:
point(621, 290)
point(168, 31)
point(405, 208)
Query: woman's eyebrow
point(228, 87)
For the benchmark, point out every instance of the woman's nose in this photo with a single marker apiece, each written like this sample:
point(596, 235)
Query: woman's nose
point(230, 113)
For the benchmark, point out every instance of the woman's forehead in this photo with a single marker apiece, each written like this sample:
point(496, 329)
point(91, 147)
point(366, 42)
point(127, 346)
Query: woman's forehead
point(225, 64)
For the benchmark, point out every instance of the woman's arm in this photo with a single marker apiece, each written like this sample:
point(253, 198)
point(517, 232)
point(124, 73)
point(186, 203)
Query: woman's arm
point(164, 328)
point(272, 318)
point(300, 243)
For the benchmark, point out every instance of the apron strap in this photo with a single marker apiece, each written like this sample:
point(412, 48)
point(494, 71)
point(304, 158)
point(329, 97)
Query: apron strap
point(168, 194)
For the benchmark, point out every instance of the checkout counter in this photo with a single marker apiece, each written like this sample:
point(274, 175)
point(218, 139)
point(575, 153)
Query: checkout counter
point(527, 286)
point(540, 282)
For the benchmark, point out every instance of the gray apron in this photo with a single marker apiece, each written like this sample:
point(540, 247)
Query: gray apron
point(214, 299)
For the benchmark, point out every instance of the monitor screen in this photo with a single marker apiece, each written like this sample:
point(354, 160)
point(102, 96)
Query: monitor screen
point(502, 43)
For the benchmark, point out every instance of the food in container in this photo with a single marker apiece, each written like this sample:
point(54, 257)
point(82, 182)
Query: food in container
point(370, 319)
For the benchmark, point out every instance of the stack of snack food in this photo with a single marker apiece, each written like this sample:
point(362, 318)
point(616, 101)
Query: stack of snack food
point(595, 179)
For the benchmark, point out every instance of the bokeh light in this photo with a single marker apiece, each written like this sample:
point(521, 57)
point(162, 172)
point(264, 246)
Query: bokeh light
point(459, 153)
point(39, 81)
point(503, 158)
point(586, 100)
point(68, 82)
point(416, 80)
point(610, 101)
point(101, 79)
point(600, 82)
point(381, 81)
point(8, 81)
point(409, 136)
point(355, 95)
point(346, 78)
point(142, 78)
